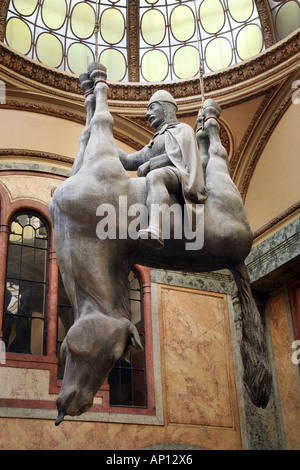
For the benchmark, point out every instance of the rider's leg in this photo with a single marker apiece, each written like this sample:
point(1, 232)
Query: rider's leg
point(87, 85)
point(160, 183)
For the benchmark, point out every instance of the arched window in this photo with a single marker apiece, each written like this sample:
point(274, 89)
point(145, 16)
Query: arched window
point(127, 381)
point(26, 285)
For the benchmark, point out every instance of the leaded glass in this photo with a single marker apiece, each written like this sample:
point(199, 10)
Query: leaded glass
point(26, 285)
point(286, 16)
point(168, 33)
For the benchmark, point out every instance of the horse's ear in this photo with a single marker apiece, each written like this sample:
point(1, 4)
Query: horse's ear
point(133, 340)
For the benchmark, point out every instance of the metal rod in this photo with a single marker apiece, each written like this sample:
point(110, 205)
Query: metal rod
point(96, 31)
point(199, 50)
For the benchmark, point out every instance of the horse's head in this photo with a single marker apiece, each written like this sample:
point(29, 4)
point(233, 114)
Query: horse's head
point(91, 348)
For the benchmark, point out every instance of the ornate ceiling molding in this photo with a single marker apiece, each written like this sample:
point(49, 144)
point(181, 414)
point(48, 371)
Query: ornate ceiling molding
point(3, 13)
point(282, 58)
point(266, 21)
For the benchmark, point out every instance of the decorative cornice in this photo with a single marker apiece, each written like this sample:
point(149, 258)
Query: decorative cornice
point(3, 13)
point(57, 82)
point(266, 22)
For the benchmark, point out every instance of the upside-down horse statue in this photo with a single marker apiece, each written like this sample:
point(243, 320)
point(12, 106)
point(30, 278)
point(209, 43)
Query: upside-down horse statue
point(95, 268)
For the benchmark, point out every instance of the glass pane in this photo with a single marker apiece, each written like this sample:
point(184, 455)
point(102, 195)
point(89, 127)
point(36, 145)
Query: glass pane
point(17, 230)
point(182, 23)
point(38, 299)
point(23, 219)
point(49, 50)
point(138, 387)
point(18, 35)
point(288, 19)
point(25, 7)
point(115, 389)
point(28, 235)
point(212, 15)
point(54, 13)
point(65, 321)
point(249, 41)
point(17, 327)
point(186, 62)
point(115, 63)
point(36, 337)
point(27, 263)
point(112, 16)
point(153, 27)
point(137, 359)
point(13, 261)
point(40, 265)
point(240, 10)
point(79, 55)
point(126, 387)
point(218, 54)
point(155, 66)
point(83, 20)
point(11, 303)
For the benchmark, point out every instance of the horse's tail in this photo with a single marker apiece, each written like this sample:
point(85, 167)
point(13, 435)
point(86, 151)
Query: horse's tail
point(257, 373)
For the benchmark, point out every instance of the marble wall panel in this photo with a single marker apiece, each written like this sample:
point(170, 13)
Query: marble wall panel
point(197, 357)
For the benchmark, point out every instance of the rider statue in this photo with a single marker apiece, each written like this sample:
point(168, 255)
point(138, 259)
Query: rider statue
point(170, 162)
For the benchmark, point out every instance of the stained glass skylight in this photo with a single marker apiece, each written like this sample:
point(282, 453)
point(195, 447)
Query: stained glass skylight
point(170, 39)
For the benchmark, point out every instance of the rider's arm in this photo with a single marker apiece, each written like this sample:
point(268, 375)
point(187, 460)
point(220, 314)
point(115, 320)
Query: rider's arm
point(132, 161)
point(159, 161)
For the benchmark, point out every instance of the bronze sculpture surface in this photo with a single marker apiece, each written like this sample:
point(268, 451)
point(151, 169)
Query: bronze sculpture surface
point(94, 264)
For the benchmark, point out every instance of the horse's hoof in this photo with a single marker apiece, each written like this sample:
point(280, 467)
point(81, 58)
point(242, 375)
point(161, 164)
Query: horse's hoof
point(211, 109)
point(86, 83)
point(97, 72)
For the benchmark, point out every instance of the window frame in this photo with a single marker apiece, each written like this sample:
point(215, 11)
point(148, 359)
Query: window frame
point(33, 282)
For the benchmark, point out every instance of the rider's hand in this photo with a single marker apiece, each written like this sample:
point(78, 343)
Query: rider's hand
point(143, 169)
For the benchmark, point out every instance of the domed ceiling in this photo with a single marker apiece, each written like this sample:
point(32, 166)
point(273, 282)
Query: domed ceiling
point(149, 40)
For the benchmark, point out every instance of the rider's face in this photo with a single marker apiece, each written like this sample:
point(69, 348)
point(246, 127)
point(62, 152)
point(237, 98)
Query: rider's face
point(155, 115)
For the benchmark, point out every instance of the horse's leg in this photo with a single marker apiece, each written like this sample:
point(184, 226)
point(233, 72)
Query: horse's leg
point(203, 141)
point(101, 146)
point(257, 374)
point(211, 112)
point(87, 85)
